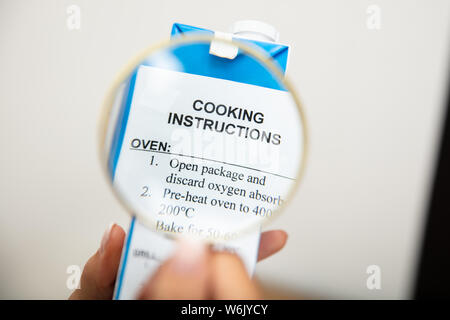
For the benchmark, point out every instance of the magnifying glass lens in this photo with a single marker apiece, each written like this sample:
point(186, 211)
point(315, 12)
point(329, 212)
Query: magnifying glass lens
point(200, 145)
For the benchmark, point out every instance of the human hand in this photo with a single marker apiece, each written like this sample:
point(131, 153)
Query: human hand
point(222, 275)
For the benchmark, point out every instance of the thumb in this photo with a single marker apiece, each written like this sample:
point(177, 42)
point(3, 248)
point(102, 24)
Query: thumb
point(183, 276)
point(99, 273)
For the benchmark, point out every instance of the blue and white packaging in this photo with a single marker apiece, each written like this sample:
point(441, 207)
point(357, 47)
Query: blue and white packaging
point(144, 250)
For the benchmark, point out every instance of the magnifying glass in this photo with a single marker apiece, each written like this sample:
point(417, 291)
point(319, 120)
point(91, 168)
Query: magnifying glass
point(194, 144)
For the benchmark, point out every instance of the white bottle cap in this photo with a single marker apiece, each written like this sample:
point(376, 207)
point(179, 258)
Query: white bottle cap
point(256, 30)
point(223, 49)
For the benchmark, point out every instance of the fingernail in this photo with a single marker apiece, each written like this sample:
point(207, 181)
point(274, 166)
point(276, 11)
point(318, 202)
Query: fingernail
point(105, 238)
point(189, 256)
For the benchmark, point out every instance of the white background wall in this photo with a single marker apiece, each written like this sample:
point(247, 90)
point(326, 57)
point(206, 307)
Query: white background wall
point(373, 99)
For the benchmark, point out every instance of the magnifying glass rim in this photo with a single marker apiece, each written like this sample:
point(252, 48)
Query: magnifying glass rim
point(183, 39)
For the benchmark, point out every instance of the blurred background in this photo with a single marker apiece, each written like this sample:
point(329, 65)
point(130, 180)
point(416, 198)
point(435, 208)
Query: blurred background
point(372, 77)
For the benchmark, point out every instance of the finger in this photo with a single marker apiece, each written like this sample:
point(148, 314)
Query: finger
point(230, 279)
point(99, 273)
point(271, 242)
point(184, 276)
